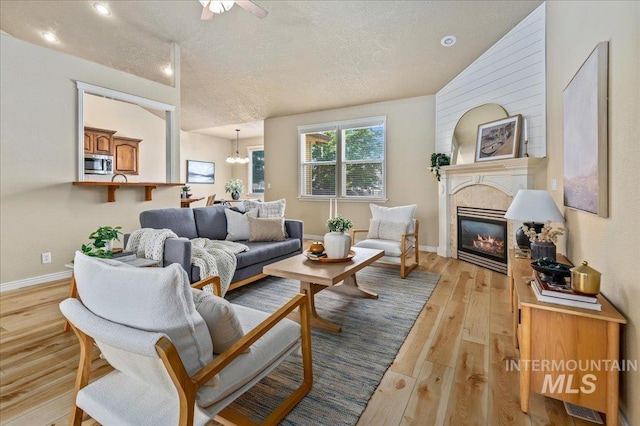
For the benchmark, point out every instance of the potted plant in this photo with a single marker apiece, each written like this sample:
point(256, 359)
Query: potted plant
point(439, 159)
point(102, 244)
point(543, 243)
point(185, 192)
point(235, 187)
point(336, 242)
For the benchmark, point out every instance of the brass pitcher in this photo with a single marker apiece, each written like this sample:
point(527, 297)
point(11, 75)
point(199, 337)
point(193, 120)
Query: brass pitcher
point(585, 279)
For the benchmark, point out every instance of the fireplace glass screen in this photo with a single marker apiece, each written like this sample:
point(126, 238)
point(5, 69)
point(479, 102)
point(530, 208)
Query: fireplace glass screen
point(483, 240)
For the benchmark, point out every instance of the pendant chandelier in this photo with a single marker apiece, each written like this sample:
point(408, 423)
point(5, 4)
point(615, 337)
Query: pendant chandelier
point(237, 159)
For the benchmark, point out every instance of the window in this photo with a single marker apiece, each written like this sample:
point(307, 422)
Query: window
point(256, 169)
point(343, 160)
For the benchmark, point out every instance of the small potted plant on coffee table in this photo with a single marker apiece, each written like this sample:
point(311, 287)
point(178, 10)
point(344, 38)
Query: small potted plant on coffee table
point(336, 242)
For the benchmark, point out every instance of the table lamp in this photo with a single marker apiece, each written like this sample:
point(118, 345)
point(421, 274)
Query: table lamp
point(534, 207)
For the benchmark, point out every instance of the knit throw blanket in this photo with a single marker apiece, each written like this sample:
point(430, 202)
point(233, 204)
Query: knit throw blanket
point(212, 257)
point(216, 257)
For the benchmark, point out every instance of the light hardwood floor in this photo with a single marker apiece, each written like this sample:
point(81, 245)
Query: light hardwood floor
point(450, 370)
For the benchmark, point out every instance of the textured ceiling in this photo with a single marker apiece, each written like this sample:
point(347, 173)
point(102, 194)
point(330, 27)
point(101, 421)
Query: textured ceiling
point(305, 56)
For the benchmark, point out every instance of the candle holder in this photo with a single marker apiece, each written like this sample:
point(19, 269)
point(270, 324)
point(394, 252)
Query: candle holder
point(526, 153)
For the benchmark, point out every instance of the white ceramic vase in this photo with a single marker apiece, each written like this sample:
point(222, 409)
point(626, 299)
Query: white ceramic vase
point(337, 245)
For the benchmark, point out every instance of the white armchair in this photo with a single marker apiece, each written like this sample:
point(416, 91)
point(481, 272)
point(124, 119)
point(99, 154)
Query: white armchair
point(146, 325)
point(394, 230)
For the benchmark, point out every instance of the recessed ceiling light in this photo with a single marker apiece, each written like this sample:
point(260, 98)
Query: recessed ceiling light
point(448, 41)
point(167, 70)
point(50, 37)
point(102, 9)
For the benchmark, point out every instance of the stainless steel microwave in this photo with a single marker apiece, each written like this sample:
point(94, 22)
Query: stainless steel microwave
point(95, 164)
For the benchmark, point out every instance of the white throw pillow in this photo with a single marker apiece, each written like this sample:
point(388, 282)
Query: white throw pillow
point(238, 224)
point(268, 208)
point(384, 230)
point(404, 214)
point(224, 327)
point(151, 299)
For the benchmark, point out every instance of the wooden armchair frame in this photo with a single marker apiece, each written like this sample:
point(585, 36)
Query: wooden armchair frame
point(405, 248)
point(187, 386)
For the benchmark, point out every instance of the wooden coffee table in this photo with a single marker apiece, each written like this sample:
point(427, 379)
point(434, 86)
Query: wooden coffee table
point(316, 276)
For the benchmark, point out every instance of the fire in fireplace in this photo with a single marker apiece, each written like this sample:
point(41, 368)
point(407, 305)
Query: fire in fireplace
point(482, 237)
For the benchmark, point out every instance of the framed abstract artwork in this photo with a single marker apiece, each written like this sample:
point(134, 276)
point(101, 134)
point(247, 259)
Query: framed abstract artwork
point(585, 135)
point(201, 172)
point(499, 139)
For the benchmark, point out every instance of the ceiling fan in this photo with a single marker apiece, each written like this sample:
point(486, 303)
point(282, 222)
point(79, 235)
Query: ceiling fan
point(209, 7)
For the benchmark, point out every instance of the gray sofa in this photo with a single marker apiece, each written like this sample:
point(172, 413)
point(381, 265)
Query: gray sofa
point(211, 222)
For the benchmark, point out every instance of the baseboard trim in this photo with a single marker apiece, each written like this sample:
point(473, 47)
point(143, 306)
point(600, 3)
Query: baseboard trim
point(28, 282)
point(430, 249)
point(622, 419)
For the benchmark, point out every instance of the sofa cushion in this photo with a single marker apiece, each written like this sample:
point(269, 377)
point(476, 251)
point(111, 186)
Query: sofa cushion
point(210, 222)
point(222, 321)
point(180, 221)
point(276, 343)
point(385, 230)
point(150, 299)
point(268, 208)
point(238, 224)
point(391, 248)
point(261, 251)
point(395, 214)
point(266, 229)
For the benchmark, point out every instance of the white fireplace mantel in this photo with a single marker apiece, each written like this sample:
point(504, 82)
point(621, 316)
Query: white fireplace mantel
point(507, 176)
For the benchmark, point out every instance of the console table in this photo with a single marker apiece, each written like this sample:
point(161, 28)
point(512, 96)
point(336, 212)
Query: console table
point(565, 352)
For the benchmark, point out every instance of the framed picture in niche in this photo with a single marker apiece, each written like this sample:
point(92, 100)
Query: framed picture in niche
point(585, 135)
point(201, 172)
point(499, 139)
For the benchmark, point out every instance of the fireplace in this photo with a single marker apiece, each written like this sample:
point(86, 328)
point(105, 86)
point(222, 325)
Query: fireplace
point(482, 237)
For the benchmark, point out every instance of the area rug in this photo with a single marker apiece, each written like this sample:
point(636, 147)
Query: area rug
point(347, 366)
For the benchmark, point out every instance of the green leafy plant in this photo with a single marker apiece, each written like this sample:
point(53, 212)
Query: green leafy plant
point(186, 188)
point(439, 159)
point(101, 238)
point(234, 185)
point(339, 224)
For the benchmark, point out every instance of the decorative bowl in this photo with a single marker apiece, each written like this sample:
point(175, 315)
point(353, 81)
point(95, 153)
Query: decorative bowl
point(552, 271)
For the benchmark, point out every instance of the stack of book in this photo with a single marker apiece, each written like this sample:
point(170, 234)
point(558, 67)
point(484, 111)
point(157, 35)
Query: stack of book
point(548, 293)
point(316, 255)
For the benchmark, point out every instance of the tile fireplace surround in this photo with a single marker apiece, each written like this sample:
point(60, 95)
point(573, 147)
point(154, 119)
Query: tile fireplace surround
point(487, 185)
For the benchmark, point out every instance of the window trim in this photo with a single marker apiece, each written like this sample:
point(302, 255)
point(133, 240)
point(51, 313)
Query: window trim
point(250, 150)
point(338, 127)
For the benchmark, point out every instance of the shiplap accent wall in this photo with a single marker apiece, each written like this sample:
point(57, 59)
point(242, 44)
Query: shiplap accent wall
point(512, 74)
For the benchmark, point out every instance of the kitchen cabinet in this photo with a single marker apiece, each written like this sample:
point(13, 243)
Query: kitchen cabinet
point(126, 153)
point(98, 141)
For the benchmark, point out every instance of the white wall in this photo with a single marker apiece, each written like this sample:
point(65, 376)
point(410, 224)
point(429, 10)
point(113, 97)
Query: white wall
point(511, 74)
point(610, 245)
point(40, 210)
point(410, 142)
point(194, 146)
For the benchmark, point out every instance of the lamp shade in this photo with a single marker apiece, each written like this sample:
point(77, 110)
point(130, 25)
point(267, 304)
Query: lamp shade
point(534, 205)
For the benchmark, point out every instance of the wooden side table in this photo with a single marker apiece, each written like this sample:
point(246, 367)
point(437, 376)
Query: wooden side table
point(567, 353)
